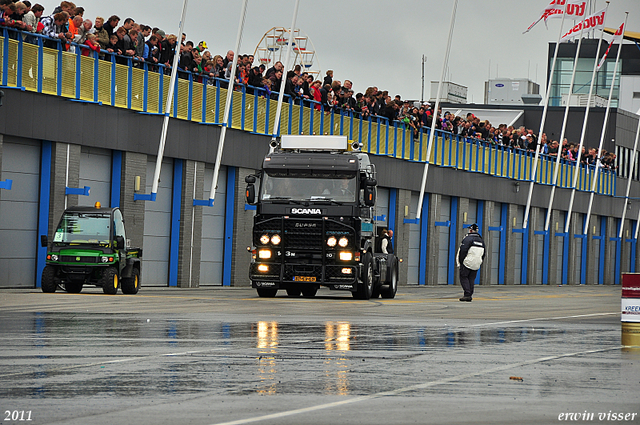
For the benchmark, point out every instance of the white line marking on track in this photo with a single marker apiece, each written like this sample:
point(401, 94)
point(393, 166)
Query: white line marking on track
point(410, 388)
point(539, 319)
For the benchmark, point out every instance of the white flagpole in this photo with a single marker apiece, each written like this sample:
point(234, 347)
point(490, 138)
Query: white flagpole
point(602, 134)
point(576, 171)
point(564, 127)
point(276, 124)
point(435, 109)
point(542, 122)
point(227, 106)
point(167, 109)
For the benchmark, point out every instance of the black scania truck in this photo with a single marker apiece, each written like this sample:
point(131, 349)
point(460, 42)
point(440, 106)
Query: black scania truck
point(314, 224)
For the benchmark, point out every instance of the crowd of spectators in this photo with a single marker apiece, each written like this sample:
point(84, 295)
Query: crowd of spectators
point(138, 44)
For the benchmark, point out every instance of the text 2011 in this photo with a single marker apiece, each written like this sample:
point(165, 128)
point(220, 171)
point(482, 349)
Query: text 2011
point(17, 415)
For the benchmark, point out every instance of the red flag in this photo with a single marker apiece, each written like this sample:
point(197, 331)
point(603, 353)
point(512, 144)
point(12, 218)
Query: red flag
point(616, 37)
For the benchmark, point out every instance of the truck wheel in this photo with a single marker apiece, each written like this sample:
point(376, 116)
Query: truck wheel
point(309, 292)
point(48, 282)
point(390, 291)
point(131, 285)
point(365, 288)
point(267, 292)
point(73, 288)
point(109, 281)
point(294, 292)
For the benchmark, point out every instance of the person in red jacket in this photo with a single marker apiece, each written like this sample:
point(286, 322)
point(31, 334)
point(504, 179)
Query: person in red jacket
point(92, 43)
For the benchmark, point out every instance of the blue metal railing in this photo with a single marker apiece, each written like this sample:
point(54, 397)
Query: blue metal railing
point(141, 86)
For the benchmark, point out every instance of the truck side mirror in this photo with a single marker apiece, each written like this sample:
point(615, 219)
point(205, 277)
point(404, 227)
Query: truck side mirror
point(251, 194)
point(118, 242)
point(250, 179)
point(371, 182)
point(370, 196)
point(44, 241)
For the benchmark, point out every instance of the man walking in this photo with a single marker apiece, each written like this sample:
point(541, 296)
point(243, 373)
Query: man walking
point(469, 258)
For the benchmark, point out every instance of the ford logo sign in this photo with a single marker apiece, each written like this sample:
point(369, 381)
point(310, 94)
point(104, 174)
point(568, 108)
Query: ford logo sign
point(499, 85)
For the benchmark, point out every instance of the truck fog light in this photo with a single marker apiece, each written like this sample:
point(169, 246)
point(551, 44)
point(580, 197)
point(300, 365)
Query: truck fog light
point(346, 256)
point(264, 254)
point(347, 270)
point(275, 239)
point(264, 239)
point(263, 268)
point(332, 241)
point(343, 242)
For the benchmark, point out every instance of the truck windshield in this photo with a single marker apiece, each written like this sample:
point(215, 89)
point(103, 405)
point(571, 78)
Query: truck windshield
point(90, 228)
point(338, 188)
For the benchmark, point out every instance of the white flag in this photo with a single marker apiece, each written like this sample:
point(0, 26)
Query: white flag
point(555, 9)
point(595, 21)
point(616, 37)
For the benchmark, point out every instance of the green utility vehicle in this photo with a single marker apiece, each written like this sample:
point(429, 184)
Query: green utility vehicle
point(89, 248)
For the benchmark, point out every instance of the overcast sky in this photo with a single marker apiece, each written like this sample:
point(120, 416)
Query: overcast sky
point(379, 43)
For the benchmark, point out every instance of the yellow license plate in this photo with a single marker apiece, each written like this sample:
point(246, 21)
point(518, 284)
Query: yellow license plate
point(304, 278)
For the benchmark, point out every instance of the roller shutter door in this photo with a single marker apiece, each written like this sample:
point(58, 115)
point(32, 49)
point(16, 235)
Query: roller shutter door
point(213, 218)
point(19, 212)
point(157, 226)
point(95, 172)
point(443, 240)
point(382, 208)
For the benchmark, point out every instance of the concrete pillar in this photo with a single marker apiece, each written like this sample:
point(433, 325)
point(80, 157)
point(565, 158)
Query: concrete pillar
point(242, 232)
point(610, 251)
point(190, 246)
point(534, 257)
point(554, 265)
point(510, 260)
point(133, 164)
point(461, 232)
point(402, 232)
point(65, 171)
point(625, 264)
point(435, 202)
point(593, 245)
point(573, 262)
point(485, 270)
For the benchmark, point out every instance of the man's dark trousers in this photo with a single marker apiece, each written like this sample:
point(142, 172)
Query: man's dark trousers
point(467, 279)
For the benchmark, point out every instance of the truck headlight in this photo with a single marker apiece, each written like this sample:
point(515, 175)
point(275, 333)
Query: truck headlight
point(332, 241)
point(275, 239)
point(346, 256)
point(264, 254)
point(54, 257)
point(343, 242)
point(104, 259)
point(264, 239)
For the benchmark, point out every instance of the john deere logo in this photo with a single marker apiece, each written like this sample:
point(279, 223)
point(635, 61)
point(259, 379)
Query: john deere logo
point(77, 258)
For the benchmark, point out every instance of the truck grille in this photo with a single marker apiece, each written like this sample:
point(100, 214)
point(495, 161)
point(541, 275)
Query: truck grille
point(303, 234)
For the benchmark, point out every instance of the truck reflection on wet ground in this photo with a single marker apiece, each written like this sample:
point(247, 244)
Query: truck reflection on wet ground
point(69, 355)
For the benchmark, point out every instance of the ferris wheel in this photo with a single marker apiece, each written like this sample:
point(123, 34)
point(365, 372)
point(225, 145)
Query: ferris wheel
point(272, 48)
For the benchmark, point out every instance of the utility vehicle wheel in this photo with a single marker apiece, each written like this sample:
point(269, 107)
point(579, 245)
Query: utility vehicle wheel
point(131, 285)
point(267, 292)
point(73, 288)
point(390, 291)
point(109, 281)
point(309, 292)
point(365, 288)
point(48, 282)
point(294, 292)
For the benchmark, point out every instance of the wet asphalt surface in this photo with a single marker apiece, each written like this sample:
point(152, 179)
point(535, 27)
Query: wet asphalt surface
point(515, 355)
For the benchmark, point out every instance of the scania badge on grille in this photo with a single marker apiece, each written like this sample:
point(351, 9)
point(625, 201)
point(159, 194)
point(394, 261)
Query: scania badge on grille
point(308, 211)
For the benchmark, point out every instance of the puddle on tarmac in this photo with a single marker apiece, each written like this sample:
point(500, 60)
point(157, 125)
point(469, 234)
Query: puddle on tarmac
point(65, 355)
